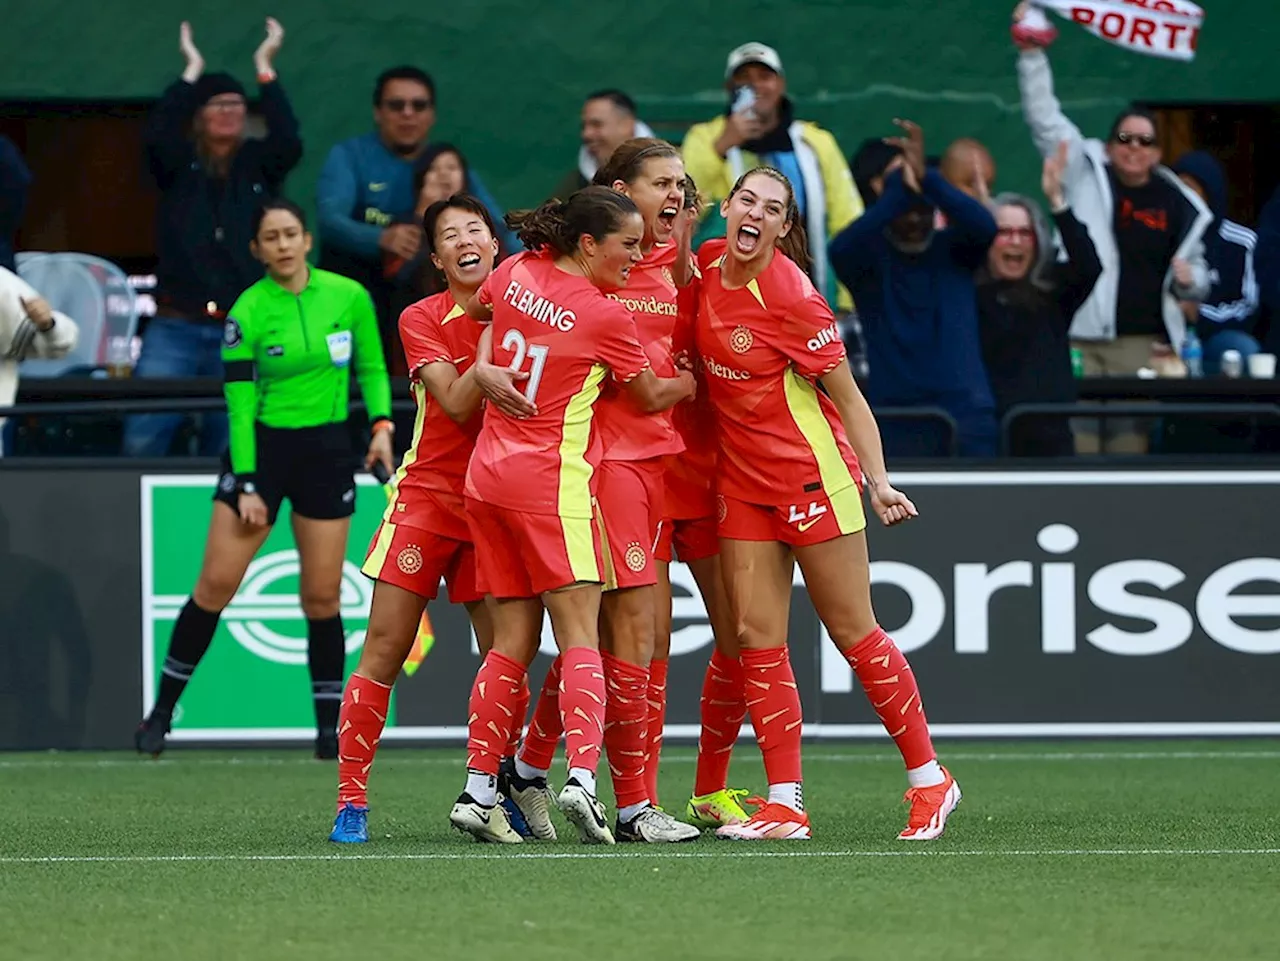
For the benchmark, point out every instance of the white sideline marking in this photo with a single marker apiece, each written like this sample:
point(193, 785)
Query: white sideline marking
point(641, 855)
point(181, 758)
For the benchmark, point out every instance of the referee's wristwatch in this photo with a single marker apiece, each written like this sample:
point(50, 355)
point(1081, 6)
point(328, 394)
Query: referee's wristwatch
point(246, 485)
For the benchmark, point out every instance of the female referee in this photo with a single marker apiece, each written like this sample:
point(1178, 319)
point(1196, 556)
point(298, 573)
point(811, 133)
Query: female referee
point(424, 537)
point(530, 484)
point(789, 483)
point(630, 498)
point(288, 347)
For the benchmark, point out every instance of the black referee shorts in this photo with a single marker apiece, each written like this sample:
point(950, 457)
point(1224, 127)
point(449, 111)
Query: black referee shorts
point(314, 467)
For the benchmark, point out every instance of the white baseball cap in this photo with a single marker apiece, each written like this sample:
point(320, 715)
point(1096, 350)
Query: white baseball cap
point(753, 53)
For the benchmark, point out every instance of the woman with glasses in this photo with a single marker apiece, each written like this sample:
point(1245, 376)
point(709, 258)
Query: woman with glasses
point(1026, 299)
point(212, 179)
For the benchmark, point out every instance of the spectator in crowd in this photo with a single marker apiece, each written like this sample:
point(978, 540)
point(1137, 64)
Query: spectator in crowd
point(1026, 299)
point(758, 127)
point(212, 181)
point(1228, 317)
point(438, 174)
point(967, 165)
point(1147, 225)
point(914, 287)
point(28, 328)
point(14, 180)
point(1266, 263)
point(365, 195)
point(608, 119)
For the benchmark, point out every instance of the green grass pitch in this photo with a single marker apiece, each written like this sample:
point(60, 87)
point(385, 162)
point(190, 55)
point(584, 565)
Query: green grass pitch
point(1099, 851)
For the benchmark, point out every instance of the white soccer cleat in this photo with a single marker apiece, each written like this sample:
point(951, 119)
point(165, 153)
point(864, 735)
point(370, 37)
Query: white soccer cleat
point(486, 824)
point(655, 826)
point(773, 822)
point(930, 808)
point(535, 801)
point(585, 812)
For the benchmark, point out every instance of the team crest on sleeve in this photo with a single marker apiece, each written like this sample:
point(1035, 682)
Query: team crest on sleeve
point(740, 340)
point(409, 560)
point(231, 333)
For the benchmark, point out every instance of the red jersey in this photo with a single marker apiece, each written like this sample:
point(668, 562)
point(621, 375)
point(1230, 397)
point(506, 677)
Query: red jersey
point(626, 431)
point(691, 473)
point(435, 329)
point(761, 348)
point(567, 336)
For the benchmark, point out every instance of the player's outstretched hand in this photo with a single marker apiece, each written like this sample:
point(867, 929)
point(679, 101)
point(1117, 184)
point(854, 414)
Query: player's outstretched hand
point(892, 506)
point(498, 386)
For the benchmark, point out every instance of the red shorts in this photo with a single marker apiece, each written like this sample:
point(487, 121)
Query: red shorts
point(629, 503)
point(521, 554)
point(441, 511)
point(416, 560)
point(690, 492)
point(688, 540)
point(820, 518)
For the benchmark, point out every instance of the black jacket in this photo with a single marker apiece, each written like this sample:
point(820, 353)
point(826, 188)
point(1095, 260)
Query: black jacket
point(203, 224)
point(1023, 328)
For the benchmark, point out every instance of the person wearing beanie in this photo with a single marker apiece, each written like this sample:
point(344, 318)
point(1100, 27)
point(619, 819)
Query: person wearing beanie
point(212, 180)
point(1227, 318)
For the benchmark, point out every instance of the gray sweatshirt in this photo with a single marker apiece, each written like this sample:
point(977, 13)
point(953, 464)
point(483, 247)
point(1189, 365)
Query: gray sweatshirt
point(1087, 186)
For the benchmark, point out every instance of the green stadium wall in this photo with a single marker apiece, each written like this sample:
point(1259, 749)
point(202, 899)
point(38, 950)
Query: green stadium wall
point(511, 75)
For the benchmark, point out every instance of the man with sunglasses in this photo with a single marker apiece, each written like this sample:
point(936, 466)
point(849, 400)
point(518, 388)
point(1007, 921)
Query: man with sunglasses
point(1148, 228)
point(365, 195)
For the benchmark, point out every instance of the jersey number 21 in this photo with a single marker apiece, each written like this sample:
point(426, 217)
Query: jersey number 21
point(513, 340)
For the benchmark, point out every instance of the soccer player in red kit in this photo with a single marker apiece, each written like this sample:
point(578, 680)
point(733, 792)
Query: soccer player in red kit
point(630, 504)
point(423, 537)
point(789, 484)
point(529, 487)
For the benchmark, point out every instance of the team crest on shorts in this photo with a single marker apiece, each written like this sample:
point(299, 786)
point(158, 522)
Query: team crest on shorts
point(740, 340)
point(409, 560)
point(722, 508)
point(636, 557)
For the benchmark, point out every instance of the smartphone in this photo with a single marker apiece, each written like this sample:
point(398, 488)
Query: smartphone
point(744, 99)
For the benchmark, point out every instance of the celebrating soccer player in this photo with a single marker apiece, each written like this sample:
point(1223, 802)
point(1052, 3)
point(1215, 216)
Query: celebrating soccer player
point(630, 499)
point(288, 346)
point(789, 483)
point(424, 536)
point(530, 483)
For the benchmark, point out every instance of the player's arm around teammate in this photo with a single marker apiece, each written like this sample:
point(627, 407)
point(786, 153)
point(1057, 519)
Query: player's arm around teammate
point(529, 485)
point(423, 537)
point(288, 347)
point(766, 337)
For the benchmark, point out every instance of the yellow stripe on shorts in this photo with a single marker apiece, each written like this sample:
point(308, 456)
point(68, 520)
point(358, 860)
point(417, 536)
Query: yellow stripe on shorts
point(382, 547)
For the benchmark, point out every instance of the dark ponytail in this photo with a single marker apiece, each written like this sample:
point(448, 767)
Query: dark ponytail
point(796, 243)
point(558, 224)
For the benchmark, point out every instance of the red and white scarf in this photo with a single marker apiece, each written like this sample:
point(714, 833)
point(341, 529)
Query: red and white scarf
point(1157, 28)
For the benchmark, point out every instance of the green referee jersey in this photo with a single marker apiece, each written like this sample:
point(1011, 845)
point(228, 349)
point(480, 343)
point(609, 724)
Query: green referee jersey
point(288, 359)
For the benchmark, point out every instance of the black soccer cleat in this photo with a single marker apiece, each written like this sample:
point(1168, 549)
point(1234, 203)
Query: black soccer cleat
point(150, 735)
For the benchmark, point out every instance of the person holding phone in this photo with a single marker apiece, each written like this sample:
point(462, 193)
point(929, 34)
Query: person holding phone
point(288, 348)
point(759, 128)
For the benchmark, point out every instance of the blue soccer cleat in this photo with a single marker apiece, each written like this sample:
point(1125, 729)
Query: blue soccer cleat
point(351, 826)
point(506, 773)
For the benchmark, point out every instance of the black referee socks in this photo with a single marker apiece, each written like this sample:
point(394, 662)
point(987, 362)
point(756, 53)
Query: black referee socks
point(192, 634)
point(326, 659)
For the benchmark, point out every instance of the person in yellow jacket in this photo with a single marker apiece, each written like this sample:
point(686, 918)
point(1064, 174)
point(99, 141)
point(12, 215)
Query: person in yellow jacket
point(757, 129)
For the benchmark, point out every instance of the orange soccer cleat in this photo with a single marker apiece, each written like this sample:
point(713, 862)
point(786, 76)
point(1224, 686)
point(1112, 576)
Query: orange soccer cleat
point(772, 822)
point(930, 808)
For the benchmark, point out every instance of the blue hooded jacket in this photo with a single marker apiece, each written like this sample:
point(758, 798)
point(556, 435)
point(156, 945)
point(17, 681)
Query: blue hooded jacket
point(1232, 301)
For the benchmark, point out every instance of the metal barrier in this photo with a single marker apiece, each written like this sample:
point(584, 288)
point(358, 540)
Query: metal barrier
point(1110, 409)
